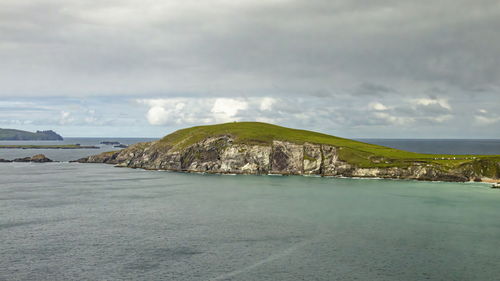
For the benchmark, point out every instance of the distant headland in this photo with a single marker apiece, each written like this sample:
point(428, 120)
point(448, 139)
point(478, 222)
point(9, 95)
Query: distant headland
point(19, 135)
point(260, 148)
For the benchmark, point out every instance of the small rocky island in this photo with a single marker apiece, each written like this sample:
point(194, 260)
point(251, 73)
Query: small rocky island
point(260, 148)
point(17, 135)
point(110, 142)
point(115, 144)
point(39, 158)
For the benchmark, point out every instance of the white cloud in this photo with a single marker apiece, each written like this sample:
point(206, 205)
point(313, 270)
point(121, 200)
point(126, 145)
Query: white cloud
point(441, 118)
point(342, 117)
point(228, 108)
point(174, 111)
point(90, 120)
point(429, 102)
point(393, 120)
point(415, 111)
point(193, 111)
point(267, 103)
point(157, 115)
point(65, 118)
point(265, 120)
point(485, 120)
point(378, 106)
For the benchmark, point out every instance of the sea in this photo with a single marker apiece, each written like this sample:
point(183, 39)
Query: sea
point(72, 221)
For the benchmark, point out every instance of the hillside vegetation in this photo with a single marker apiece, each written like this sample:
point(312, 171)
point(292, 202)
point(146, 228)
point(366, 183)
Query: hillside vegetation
point(12, 134)
point(355, 152)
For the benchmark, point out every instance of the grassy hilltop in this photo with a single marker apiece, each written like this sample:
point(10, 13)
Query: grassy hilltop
point(355, 152)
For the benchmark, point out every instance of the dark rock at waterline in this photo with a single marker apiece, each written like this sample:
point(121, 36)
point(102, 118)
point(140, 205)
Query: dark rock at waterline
point(4, 160)
point(110, 142)
point(39, 158)
point(121, 146)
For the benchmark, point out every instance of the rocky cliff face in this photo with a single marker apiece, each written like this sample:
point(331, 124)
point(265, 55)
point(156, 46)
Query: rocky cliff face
point(221, 155)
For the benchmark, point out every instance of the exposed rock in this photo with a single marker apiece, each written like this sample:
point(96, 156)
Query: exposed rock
point(312, 159)
point(205, 155)
point(110, 142)
point(5, 160)
point(287, 158)
point(332, 165)
point(412, 172)
point(246, 159)
point(39, 158)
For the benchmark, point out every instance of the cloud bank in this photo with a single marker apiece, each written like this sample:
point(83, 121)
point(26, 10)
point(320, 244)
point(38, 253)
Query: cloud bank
point(354, 68)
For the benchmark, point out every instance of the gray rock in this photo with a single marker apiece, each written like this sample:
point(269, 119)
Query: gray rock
point(287, 158)
point(39, 158)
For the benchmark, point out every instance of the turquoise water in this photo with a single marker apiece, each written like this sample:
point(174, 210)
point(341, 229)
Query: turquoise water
point(69, 221)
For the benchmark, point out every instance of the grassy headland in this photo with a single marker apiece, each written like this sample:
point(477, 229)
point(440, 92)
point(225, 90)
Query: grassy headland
point(355, 152)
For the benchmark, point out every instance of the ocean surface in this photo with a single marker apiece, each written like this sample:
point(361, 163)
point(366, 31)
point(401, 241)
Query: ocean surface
point(439, 146)
point(71, 221)
point(66, 154)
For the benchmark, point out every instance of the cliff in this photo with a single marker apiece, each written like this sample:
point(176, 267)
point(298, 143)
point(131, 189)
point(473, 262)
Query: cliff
point(259, 148)
point(12, 134)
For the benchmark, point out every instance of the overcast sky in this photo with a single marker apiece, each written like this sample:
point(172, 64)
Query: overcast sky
point(374, 68)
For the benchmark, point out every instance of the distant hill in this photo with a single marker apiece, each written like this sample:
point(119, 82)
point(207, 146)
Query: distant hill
point(12, 134)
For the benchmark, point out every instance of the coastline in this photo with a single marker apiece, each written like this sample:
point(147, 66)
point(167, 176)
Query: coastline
point(487, 180)
point(219, 173)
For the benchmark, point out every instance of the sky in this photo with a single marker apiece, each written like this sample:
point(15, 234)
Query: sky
point(351, 68)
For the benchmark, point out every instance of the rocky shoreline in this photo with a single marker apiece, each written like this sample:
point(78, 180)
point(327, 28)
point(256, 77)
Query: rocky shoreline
point(222, 155)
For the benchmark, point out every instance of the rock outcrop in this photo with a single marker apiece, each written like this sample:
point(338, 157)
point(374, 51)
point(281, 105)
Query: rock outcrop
point(39, 158)
point(221, 154)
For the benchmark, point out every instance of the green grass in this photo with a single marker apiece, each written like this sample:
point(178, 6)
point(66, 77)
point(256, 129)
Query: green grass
point(355, 152)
